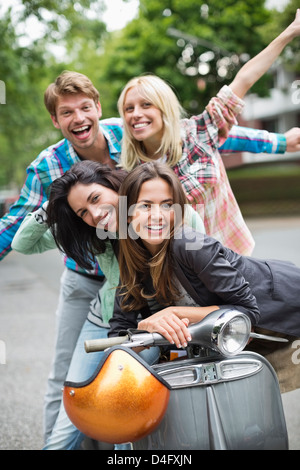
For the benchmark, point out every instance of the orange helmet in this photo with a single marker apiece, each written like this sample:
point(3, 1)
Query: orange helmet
point(122, 402)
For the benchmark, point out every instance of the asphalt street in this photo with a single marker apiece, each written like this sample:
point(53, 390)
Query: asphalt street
point(29, 287)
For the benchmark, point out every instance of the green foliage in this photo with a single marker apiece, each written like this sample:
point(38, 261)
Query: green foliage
point(25, 126)
point(20, 68)
point(168, 38)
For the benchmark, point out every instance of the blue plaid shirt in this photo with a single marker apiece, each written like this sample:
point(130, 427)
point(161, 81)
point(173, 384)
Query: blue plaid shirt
point(54, 161)
point(245, 139)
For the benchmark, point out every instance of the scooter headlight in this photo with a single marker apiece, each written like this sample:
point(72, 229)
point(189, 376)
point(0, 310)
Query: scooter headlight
point(231, 332)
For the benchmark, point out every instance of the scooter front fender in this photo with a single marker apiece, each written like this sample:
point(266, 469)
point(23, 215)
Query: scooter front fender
point(219, 407)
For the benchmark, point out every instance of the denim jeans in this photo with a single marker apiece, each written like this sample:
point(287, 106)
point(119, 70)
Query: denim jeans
point(65, 435)
point(76, 293)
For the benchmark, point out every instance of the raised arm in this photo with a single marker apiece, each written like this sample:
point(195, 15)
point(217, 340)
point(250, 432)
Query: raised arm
point(256, 67)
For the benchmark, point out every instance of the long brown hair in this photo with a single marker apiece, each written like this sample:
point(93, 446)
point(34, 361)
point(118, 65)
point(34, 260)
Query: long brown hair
point(135, 261)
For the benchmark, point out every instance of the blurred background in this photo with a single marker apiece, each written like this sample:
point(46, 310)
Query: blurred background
point(196, 46)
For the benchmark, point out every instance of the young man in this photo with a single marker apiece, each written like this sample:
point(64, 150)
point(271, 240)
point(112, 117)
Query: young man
point(74, 107)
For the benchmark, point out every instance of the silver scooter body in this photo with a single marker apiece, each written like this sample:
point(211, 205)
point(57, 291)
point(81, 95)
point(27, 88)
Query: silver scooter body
point(220, 404)
point(222, 398)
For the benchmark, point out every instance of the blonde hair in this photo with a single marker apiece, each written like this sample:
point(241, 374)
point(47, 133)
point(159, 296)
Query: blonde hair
point(160, 94)
point(69, 83)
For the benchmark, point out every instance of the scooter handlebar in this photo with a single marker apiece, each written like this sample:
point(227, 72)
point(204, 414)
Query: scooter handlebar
point(201, 334)
point(143, 339)
point(94, 345)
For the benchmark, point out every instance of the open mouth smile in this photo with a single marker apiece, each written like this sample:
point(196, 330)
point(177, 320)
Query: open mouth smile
point(155, 230)
point(82, 132)
point(104, 221)
point(141, 125)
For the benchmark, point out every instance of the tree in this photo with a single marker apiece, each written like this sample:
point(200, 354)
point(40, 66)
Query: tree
point(195, 47)
point(20, 69)
point(26, 71)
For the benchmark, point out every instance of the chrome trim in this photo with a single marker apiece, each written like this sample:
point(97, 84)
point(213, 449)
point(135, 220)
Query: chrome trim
point(219, 327)
point(211, 372)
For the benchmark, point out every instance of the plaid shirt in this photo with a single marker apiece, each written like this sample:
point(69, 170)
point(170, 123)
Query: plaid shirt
point(52, 163)
point(203, 175)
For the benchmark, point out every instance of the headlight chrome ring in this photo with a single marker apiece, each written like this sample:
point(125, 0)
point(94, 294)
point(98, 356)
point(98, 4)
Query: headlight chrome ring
point(231, 332)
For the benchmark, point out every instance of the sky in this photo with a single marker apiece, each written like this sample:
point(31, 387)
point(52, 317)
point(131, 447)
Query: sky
point(118, 13)
point(278, 4)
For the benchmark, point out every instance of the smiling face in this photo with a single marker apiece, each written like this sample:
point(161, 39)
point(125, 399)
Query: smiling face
point(95, 204)
point(77, 116)
point(153, 215)
point(144, 120)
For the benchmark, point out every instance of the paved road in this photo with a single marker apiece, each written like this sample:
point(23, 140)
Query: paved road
point(28, 297)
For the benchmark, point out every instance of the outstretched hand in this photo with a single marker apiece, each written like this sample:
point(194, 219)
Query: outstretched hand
point(293, 139)
point(255, 68)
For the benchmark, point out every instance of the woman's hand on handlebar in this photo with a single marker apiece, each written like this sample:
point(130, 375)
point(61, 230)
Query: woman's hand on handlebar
point(167, 323)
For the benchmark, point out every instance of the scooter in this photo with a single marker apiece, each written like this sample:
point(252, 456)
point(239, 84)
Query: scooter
point(219, 397)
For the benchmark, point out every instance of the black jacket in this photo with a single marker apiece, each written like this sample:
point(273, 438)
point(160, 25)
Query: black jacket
point(266, 290)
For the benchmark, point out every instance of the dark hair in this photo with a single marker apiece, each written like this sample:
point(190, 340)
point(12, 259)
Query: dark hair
point(72, 235)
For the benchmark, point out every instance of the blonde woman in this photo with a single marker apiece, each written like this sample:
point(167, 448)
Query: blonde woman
point(155, 130)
